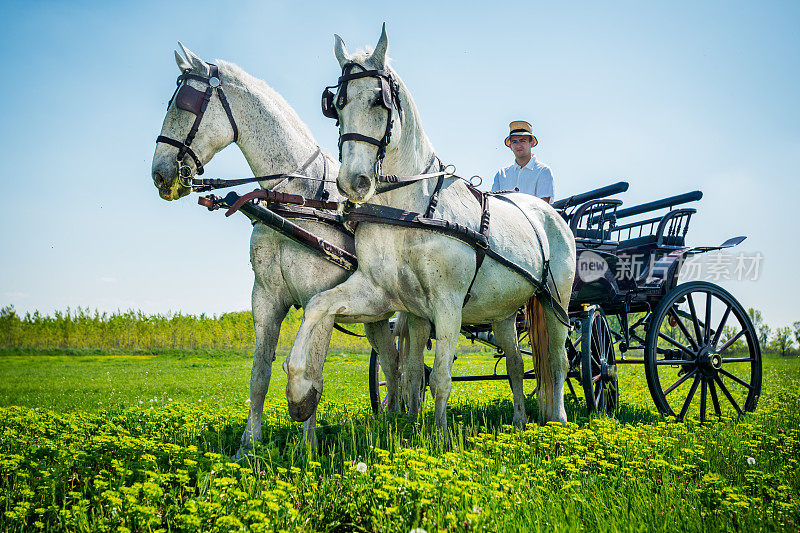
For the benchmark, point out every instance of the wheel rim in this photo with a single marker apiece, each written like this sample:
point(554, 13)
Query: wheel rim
point(378, 393)
point(702, 354)
point(598, 365)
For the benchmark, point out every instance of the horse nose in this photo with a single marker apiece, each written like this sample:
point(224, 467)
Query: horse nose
point(158, 179)
point(363, 183)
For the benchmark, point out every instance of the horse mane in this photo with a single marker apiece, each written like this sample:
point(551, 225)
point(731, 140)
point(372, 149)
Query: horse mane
point(240, 78)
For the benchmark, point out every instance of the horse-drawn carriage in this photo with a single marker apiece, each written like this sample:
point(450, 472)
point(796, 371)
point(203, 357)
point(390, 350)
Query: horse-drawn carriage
point(625, 297)
point(693, 335)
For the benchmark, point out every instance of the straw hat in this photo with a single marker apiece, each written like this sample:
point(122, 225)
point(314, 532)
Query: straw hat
point(520, 127)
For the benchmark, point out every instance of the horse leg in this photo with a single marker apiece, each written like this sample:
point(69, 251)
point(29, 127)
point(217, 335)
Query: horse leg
point(447, 321)
point(419, 331)
point(559, 366)
point(310, 432)
point(505, 332)
point(357, 297)
point(268, 314)
point(382, 339)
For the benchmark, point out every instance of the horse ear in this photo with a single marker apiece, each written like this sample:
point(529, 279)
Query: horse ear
point(183, 65)
point(195, 61)
point(340, 50)
point(378, 57)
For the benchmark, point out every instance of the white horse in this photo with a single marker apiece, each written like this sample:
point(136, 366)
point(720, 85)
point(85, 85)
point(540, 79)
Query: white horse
point(427, 274)
point(273, 139)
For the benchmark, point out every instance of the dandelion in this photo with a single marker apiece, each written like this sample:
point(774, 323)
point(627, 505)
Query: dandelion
point(751, 460)
point(361, 467)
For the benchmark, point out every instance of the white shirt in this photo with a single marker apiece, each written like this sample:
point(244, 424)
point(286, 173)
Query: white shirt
point(534, 178)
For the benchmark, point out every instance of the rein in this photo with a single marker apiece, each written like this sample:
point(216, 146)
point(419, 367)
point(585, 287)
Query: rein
point(190, 99)
point(210, 184)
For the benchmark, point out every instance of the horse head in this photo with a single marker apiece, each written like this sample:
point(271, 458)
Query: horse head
point(367, 105)
point(198, 124)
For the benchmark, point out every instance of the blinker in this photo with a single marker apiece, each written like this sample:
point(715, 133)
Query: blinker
point(189, 99)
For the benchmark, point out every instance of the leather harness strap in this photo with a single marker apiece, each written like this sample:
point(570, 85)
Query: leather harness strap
point(187, 98)
point(209, 184)
point(381, 214)
point(328, 251)
point(480, 253)
point(280, 197)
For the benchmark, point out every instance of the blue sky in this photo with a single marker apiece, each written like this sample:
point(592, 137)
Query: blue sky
point(671, 96)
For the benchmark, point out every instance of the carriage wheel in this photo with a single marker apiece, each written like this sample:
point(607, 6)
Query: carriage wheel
point(700, 337)
point(377, 388)
point(378, 394)
point(598, 365)
point(572, 345)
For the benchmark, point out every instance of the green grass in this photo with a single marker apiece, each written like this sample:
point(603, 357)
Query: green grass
point(142, 442)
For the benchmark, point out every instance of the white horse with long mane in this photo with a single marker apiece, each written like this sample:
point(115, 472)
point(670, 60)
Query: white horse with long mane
point(425, 273)
point(273, 140)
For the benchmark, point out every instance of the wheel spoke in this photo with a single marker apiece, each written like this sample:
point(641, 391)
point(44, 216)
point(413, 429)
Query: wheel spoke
point(678, 383)
point(714, 398)
point(731, 341)
point(675, 343)
point(738, 360)
point(703, 401)
point(596, 378)
point(571, 388)
point(683, 328)
point(707, 319)
point(602, 402)
point(688, 401)
point(735, 378)
point(721, 326)
point(728, 394)
point(695, 323)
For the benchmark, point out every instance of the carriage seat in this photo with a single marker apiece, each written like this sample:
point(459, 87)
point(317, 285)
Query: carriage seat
point(669, 240)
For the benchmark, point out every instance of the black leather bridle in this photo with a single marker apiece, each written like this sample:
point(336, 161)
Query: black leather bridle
point(389, 98)
point(190, 99)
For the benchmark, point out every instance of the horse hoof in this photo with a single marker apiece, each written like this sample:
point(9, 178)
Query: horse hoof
point(302, 410)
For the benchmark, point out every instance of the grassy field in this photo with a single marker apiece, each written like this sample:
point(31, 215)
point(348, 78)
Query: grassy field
point(141, 442)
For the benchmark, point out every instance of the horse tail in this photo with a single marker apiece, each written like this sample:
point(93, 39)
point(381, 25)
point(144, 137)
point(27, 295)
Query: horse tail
point(540, 346)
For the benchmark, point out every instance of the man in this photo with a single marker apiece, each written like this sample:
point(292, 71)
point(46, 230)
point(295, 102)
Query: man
point(527, 174)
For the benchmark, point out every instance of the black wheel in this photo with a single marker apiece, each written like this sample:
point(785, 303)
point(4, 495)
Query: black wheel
point(378, 394)
point(572, 346)
point(598, 365)
point(377, 388)
point(700, 337)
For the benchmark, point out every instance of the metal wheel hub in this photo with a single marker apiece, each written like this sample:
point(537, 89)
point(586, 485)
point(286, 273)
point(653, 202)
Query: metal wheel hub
point(608, 372)
point(709, 361)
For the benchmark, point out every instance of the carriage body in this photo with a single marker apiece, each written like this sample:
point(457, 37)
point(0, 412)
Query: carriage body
point(687, 333)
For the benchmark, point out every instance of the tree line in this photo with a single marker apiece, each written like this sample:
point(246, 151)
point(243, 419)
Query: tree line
point(134, 331)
